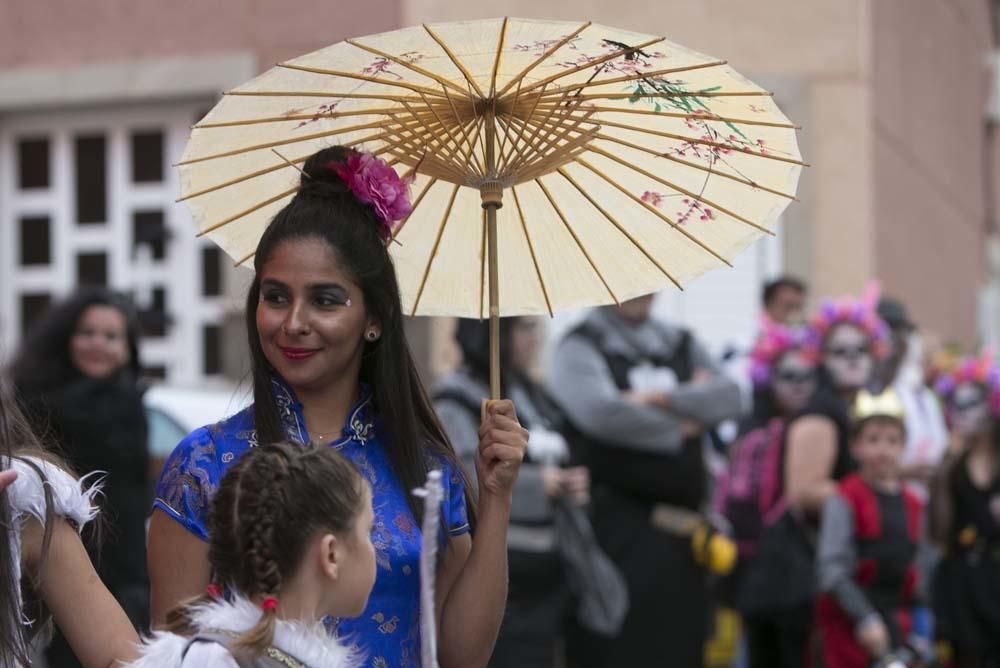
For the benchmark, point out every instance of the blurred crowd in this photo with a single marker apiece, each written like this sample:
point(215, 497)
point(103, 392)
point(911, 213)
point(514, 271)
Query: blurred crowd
point(835, 487)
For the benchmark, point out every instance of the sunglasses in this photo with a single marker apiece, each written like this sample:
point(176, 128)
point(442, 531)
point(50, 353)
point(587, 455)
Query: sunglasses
point(849, 352)
point(794, 377)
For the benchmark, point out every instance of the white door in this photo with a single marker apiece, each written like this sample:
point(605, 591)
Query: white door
point(87, 197)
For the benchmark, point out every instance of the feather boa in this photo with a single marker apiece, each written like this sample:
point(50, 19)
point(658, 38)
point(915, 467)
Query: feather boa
point(307, 642)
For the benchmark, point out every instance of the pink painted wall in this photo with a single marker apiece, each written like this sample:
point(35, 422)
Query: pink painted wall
point(57, 32)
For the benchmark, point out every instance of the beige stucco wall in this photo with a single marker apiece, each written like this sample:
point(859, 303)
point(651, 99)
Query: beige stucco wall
point(929, 85)
point(70, 32)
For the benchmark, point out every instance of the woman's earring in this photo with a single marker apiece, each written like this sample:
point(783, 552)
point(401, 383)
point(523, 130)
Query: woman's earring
point(372, 335)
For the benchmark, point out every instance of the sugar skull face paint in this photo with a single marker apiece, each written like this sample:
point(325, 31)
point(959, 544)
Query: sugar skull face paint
point(847, 356)
point(970, 409)
point(793, 381)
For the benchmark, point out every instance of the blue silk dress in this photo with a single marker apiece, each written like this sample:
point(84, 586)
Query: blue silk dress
point(388, 632)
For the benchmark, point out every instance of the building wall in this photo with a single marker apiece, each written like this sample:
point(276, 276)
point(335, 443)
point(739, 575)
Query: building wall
point(68, 32)
point(929, 84)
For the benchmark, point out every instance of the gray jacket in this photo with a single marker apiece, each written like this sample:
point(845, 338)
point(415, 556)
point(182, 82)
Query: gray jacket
point(579, 379)
point(455, 395)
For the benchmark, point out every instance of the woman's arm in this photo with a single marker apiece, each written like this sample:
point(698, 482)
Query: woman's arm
point(472, 590)
point(811, 448)
point(93, 623)
point(178, 565)
point(472, 581)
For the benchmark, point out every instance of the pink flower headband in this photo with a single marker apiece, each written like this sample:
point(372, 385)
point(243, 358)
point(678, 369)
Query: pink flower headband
point(374, 182)
point(861, 313)
point(982, 370)
point(774, 341)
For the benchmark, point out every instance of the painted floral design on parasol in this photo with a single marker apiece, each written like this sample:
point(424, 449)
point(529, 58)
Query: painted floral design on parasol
point(554, 164)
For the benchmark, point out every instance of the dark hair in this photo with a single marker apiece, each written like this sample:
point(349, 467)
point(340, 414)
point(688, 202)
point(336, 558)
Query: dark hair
point(268, 507)
point(324, 208)
point(858, 426)
point(473, 339)
point(17, 440)
point(772, 288)
point(45, 361)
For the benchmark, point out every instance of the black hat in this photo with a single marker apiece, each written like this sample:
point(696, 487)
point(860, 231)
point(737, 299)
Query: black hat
point(894, 314)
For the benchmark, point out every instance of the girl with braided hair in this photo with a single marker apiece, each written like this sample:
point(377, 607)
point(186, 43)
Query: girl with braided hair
point(290, 540)
point(330, 363)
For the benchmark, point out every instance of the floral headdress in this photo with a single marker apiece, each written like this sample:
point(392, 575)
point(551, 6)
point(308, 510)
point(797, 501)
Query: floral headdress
point(861, 313)
point(774, 341)
point(982, 370)
point(374, 182)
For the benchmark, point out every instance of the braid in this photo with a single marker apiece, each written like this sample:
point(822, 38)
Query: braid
point(260, 534)
point(267, 508)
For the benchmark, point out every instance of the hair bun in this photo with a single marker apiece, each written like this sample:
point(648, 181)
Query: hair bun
point(316, 173)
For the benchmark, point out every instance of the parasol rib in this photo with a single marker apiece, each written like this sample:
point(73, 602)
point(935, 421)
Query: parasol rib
point(594, 63)
point(534, 135)
point(694, 165)
point(683, 191)
point(462, 128)
point(579, 244)
point(695, 116)
point(611, 219)
point(559, 132)
point(241, 179)
point(454, 59)
point(416, 88)
point(282, 142)
point(317, 93)
point(655, 211)
point(437, 242)
point(644, 75)
point(506, 135)
point(517, 145)
point(481, 170)
point(704, 142)
point(295, 117)
point(496, 60)
point(425, 138)
point(245, 212)
point(244, 258)
point(444, 81)
point(531, 249)
point(545, 55)
point(650, 96)
point(416, 203)
point(447, 128)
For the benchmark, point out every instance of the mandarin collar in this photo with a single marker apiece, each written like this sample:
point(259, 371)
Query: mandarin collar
point(359, 426)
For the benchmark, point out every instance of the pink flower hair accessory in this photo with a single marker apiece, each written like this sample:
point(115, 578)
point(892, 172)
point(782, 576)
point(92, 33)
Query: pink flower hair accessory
point(774, 341)
point(862, 313)
point(374, 182)
point(982, 370)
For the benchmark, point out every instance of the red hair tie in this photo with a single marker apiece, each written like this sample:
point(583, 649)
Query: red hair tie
point(214, 590)
point(269, 604)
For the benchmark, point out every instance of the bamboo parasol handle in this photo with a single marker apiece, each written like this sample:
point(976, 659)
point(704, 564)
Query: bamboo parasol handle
point(492, 196)
point(492, 202)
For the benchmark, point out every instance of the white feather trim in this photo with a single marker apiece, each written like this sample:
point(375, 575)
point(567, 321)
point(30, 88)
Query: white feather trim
point(71, 499)
point(308, 642)
point(162, 650)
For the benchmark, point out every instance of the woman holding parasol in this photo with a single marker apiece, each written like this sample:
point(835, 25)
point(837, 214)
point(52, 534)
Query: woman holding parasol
point(331, 364)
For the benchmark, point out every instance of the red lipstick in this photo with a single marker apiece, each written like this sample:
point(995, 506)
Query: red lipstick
point(296, 354)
